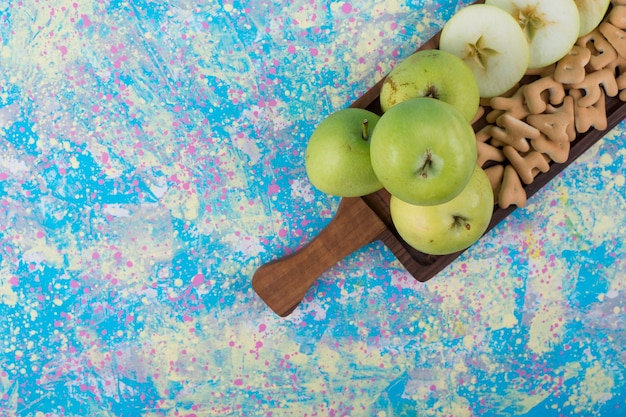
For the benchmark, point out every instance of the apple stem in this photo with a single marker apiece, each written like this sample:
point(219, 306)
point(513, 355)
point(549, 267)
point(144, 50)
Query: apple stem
point(365, 131)
point(461, 221)
point(423, 171)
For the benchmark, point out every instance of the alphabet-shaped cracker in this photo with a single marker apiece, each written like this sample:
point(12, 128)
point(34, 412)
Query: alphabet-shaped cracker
point(603, 51)
point(593, 85)
point(511, 190)
point(589, 116)
point(535, 94)
point(615, 36)
point(515, 105)
point(479, 113)
point(487, 152)
point(513, 132)
point(484, 133)
point(526, 165)
point(495, 174)
point(556, 151)
point(571, 68)
point(617, 16)
point(557, 123)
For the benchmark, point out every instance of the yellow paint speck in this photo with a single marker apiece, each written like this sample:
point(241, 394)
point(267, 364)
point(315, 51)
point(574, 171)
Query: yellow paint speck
point(509, 320)
point(178, 282)
point(606, 159)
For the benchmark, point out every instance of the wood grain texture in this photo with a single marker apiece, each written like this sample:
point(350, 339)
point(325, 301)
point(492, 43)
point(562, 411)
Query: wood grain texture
point(283, 283)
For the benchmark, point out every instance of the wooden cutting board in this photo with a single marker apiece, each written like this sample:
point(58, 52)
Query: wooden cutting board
point(283, 283)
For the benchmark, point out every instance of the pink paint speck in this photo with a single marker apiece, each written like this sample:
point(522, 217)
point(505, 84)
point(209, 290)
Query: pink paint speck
point(273, 189)
point(313, 51)
point(239, 382)
point(291, 49)
point(346, 8)
point(86, 21)
point(197, 280)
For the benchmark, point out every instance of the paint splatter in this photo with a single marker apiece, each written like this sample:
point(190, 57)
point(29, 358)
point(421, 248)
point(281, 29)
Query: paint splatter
point(152, 159)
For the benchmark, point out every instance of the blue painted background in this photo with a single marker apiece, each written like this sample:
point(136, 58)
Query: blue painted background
point(152, 159)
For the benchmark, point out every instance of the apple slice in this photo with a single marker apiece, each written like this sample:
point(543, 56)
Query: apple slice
point(591, 14)
point(551, 27)
point(491, 43)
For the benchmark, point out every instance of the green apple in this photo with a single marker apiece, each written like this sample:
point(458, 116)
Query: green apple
point(337, 157)
point(551, 27)
point(491, 43)
point(449, 227)
point(591, 14)
point(423, 151)
point(432, 73)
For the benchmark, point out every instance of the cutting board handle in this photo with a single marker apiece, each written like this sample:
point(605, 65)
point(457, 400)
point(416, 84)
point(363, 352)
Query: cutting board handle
point(283, 283)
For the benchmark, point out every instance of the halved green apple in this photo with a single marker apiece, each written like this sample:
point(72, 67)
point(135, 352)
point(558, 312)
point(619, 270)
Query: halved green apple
point(551, 27)
point(491, 43)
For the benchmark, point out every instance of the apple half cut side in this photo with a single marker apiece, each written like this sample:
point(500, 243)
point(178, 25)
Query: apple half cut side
point(551, 27)
point(591, 14)
point(497, 54)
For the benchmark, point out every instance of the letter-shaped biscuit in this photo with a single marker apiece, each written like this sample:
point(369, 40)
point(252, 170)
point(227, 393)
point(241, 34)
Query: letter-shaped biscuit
point(557, 123)
point(571, 68)
point(589, 116)
point(484, 133)
point(556, 151)
point(515, 105)
point(593, 84)
point(487, 152)
point(495, 174)
point(511, 191)
point(513, 132)
point(479, 113)
point(535, 94)
point(617, 16)
point(615, 36)
point(621, 84)
point(603, 50)
point(526, 165)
